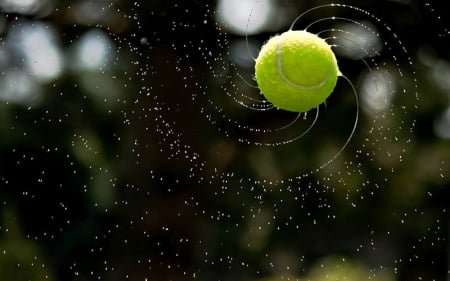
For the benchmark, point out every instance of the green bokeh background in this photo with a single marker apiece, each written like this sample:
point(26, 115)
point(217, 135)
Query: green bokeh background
point(99, 179)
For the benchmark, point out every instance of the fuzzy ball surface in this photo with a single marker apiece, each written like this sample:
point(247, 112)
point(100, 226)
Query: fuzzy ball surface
point(296, 70)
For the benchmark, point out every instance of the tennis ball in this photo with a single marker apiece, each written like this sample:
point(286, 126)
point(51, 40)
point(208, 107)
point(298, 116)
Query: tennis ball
point(296, 70)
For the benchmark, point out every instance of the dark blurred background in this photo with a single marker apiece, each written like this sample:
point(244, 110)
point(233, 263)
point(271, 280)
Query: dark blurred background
point(129, 149)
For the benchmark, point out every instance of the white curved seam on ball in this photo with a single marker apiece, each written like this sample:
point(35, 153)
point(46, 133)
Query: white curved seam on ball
point(294, 84)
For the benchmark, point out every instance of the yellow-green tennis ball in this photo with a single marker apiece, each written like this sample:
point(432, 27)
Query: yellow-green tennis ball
point(296, 71)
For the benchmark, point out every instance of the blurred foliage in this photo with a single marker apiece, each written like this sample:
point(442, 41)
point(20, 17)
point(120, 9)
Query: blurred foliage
point(338, 269)
point(21, 259)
